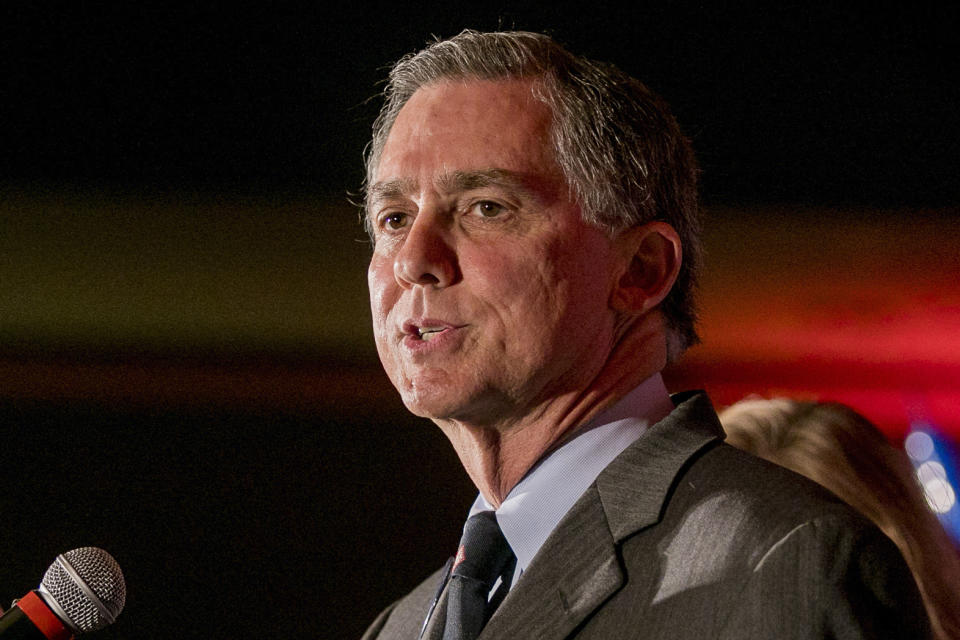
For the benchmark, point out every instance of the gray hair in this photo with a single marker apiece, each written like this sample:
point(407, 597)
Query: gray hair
point(621, 152)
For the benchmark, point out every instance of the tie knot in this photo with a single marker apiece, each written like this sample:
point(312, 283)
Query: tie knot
point(484, 552)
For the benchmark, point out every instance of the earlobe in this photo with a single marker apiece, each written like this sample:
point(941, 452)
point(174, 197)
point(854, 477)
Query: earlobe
point(653, 254)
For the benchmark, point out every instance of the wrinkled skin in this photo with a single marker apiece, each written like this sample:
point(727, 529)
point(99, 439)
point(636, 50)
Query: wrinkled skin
point(493, 302)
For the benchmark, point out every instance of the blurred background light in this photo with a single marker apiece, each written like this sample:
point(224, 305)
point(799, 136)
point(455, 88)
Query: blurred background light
point(935, 462)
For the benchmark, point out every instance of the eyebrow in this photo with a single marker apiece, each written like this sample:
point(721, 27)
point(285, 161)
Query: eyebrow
point(469, 180)
point(453, 182)
point(390, 189)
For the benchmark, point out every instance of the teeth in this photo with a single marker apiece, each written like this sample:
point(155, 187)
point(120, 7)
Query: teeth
point(427, 334)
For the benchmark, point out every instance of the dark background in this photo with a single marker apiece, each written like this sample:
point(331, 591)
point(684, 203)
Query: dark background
point(265, 484)
point(808, 102)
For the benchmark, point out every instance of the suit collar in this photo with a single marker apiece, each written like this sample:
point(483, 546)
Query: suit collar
point(537, 504)
point(577, 568)
point(634, 487)
point(562, 585)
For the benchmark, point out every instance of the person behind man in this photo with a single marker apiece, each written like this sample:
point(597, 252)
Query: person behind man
point(833, 445)
point(535, 228)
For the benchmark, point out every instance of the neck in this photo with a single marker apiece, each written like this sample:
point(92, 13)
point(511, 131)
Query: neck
point(497, 457)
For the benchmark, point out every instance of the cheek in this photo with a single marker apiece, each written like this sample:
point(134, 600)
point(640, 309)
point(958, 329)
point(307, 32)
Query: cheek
point(526, 294)
point(382, 300)
point(576, 281)
point(379, 285)
point(383, 297)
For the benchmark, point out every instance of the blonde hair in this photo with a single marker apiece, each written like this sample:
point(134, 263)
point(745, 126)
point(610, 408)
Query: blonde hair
point(838, 448)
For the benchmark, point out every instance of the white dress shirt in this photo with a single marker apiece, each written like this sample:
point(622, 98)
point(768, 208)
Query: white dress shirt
point(535, 506)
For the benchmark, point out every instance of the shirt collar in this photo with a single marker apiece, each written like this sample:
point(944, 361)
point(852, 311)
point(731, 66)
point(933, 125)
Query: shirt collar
point(535, 506)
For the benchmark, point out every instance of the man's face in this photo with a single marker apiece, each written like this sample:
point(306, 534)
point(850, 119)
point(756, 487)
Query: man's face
point(489, 293)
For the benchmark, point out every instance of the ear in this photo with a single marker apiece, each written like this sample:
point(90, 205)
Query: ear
point(653, 254)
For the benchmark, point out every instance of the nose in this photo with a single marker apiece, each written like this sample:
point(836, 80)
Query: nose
point(427, 257)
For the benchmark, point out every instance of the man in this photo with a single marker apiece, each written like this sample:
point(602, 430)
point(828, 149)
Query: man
point(534, 218)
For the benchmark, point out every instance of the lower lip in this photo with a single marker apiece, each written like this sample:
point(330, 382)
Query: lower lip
point(442, 340)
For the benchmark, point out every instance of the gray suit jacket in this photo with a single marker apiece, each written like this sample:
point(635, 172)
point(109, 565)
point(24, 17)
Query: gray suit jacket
point(682, 536)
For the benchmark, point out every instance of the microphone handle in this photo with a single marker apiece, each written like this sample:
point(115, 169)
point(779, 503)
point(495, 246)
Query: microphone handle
point(31, 619)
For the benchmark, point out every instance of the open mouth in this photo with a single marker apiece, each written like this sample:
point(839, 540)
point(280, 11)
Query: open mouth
point(429, 333)
point(426, 330)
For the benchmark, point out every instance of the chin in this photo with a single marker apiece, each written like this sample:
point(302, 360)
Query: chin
point(432, 397)
point(428, 403)
point(427, 394)
point(460, 405)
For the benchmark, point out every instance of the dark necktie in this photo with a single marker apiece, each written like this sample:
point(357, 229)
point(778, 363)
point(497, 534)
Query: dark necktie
point(483, 557)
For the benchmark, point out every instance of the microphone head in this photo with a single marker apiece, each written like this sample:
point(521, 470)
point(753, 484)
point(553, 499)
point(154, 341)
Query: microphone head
point(87, 587)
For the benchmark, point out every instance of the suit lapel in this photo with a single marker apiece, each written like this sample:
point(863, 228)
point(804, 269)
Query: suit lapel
point(635, 488)
point(578, 567)
point(571, 575)
point(438, 617)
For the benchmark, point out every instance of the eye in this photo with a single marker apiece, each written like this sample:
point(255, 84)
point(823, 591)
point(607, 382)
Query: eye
point(488, 208)
point(394, 221)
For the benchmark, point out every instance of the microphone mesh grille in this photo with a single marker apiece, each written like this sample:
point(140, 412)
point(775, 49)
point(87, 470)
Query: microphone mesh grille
point(102, 575)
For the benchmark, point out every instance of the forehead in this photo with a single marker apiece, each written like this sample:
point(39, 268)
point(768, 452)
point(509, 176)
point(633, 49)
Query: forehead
point(468, 125)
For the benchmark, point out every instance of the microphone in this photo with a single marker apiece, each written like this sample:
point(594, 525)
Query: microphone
point(82, 591)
